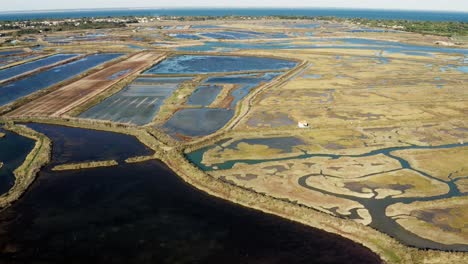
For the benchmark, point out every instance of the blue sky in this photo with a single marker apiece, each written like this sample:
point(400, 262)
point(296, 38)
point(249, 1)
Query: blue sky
point(448, 5)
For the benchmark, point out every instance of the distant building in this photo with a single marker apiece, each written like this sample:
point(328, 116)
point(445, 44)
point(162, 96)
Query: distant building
point(302, 124)
point(444, 43)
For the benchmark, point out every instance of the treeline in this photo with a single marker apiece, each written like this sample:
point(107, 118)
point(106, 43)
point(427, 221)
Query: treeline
point(442, 28)
point(68, 26)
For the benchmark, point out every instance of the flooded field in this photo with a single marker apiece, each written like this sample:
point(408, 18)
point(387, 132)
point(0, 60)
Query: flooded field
point(210, 103)
point(184, 36)
point(242, 35)
point(138, 103)
point(4, 61)
point(197, 122)
point(326, 43)
point(23, 68)
point(10, 52)
point(11, 92)
point(204, 95)
point(74, 94)
point(152, 216)
point(197, 64)
point(13, 151)
point(75, 38)
point(244, 84)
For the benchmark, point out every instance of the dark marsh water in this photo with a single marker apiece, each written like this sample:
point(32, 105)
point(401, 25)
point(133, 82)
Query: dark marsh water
point(13, 151)
point(144, 213)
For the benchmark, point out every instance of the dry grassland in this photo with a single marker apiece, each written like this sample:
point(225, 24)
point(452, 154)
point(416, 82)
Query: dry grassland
point(445, 164)
point(443, 221)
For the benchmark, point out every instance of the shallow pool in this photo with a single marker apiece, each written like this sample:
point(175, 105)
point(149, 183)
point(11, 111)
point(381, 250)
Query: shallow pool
point(199, 64)
point(137, 103)
point(204, 95)
point(197, 122)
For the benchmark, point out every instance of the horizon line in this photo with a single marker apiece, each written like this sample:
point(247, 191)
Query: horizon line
point(234, 7)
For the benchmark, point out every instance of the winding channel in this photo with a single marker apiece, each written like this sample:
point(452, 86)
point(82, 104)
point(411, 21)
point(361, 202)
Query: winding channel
point(376, 207)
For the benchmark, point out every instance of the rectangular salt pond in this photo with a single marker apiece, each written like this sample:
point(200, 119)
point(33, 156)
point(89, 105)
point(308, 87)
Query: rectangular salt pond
point(199, 64)
point(15, 90)
point(23, 68)
point(241, 35)
point(71, 38)
point(309, 26)
point(15, 58)
point(229, 35)
point(195, 122)
point(335, 43)
point(10, 52)
point(245, 82)
point(184, 36)
point(138, 103)
point(204, 95)
point(204, 121)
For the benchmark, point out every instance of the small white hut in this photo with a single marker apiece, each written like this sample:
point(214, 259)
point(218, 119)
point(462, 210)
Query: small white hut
point(303, 124)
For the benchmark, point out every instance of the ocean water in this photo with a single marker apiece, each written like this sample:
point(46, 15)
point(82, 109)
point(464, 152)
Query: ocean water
point(313, 12)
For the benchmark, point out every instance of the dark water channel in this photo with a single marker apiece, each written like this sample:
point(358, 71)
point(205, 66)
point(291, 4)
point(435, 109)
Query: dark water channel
point(144, 213)
point(81, 145)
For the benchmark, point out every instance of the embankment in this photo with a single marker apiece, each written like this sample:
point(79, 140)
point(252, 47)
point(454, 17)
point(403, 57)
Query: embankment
point(26, 173)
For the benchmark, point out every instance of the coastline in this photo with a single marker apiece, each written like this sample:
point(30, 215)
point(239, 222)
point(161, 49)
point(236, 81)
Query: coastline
point(246, 11)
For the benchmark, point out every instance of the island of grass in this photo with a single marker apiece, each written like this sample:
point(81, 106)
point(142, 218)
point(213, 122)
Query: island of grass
point(85, 165)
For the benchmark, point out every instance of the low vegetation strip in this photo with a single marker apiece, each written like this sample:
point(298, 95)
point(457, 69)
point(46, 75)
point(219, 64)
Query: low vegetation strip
point(85, 165)
point(26, 173)
point(441, 28)
point(139, 159)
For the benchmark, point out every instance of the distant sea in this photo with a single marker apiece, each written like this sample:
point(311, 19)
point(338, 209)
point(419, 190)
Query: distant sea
point(345, 13)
